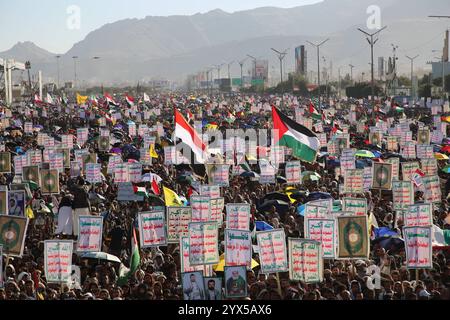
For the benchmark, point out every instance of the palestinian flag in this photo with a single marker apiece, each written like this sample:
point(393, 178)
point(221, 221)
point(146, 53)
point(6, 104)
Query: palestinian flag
point(125, 273)
point(49, 99)
point(303, 142)
point(110, 100)
point(314, 113)
point(130, 100)
point(441, 238)
point(140, 191)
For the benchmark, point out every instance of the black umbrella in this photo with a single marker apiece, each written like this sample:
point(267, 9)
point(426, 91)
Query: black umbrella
point(281, 206)
point(276, 196)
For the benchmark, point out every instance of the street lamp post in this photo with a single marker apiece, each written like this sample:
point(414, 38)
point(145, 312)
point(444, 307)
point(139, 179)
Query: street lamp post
point(254, 63)
point(318, 61)
point(372, 43)
point(281, 56)
point(413, 93)
point(241, 64)
point(351, 72)
point(229, 74)
point(75, 69)
point(98, 58)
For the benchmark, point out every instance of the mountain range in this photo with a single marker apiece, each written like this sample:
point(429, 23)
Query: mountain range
point(172, 47)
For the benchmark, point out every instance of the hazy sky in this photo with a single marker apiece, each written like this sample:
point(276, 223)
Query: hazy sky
point(44, 22)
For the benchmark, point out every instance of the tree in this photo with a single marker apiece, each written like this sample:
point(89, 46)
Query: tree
point(438, 82)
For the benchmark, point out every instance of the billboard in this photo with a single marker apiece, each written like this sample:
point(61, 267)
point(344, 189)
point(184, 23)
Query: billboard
point(301, 60)
point(261, 70)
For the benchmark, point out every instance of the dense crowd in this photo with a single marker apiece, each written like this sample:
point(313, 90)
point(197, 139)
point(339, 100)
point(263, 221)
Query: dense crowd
point(158, 276)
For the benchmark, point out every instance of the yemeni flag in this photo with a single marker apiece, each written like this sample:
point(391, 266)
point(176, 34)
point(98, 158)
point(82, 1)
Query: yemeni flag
point(49, 99)
point(303, 142)
point(110, 100)
point(314, 113)
point(155, 187)
point(37, 99)
point(187, 134)
point(125, 273)
point(130, 100)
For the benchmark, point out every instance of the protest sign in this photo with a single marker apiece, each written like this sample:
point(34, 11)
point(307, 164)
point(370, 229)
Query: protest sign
point(354, 181)
point(323, 231)
point(13, 230)
point(392, 143)
point(135, 172)
point(58, 260)
point(152, 229)
point(49, 181)
point(203, 243)
point(90, 234)
point(121, 173)
point(217, 206)
point(238, 248)
point(418, 247)
point(238, 216)
point(382, 176)
point(313, 211)
point(293, 172)
point(424, 151)
point(220, 175)
point(432, 187)
point(212, 191)
point(356, 205)
point(408, 169)
point(305, 260)
point(126, 192)
point(184, 257)
point(169, 155)
point(423, 136)
point(419, 215)
point(5, 162)
point(93, 172)
point(403, 194)
point(178, 219)
point(201, 208)
point(268, 172)
point(272, 251)
point(395, 167)
point(429, 166)
point(409, 151)
point(16, 203)
point(353, 237)
point(367, 178)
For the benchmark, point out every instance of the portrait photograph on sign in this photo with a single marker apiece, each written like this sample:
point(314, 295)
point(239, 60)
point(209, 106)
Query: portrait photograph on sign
point(193, 285)
point(213, 288)
point(235, 282)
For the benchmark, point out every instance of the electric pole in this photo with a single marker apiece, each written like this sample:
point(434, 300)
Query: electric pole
point(281, 56)
point(318, 61)
point(372, 43)
point(241, 64)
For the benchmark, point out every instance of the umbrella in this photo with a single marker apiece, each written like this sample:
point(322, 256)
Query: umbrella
point(440, 156)
point(281, 206)
point(185, 179)
point(220, 267)
point(249, 174)
point(310, 175)
point(317, 196)
point(281, 179)
point(262, 226)
point(115, 150)
point(276, 196)
point(364, 154)
point(377, 154)
point(445, 149)
point(101, 256)
point(446, 169)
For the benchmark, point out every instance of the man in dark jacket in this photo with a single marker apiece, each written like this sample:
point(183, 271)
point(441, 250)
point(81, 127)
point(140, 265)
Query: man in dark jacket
point(81, 204)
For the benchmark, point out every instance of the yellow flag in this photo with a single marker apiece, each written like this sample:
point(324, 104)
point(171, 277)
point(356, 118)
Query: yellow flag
point(153, 153)
point(171, 198)
point(29, 212)
point(81, 99)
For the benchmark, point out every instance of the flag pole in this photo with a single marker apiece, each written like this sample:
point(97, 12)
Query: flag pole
point(279, 285)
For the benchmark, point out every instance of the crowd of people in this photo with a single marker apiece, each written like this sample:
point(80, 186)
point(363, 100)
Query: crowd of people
point(158, 276)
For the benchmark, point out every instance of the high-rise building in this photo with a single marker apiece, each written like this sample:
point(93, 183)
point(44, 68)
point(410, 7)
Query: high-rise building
point(301, 60)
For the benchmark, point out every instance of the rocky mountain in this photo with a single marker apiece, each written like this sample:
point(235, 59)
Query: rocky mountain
point(174, 46)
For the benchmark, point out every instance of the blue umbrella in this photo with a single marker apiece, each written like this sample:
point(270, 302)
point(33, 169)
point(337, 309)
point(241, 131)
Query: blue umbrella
point(262, 226)
point(377, 154)
point(301, 210)
point(249, 174)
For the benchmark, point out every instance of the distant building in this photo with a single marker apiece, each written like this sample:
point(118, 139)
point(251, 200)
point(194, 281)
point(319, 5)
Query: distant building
point(301, 60)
